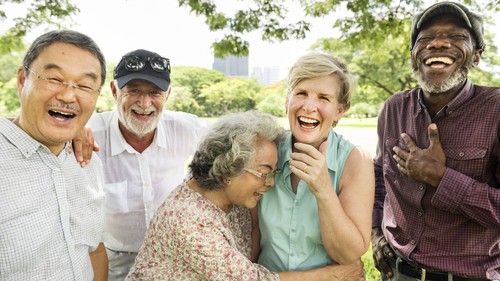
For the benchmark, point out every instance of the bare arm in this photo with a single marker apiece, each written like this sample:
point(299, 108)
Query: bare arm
point(350, 272)
point(345, 219)
point(99, 260)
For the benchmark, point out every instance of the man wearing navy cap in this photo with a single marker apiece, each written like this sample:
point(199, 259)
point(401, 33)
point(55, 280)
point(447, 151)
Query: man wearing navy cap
point(143, 149)
point(437, 168)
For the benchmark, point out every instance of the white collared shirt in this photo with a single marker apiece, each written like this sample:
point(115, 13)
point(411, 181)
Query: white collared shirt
point(51, 210)
point(137, 183)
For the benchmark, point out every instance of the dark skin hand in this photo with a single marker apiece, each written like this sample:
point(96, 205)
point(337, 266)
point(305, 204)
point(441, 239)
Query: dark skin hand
point(380, 249)
point(424, 165)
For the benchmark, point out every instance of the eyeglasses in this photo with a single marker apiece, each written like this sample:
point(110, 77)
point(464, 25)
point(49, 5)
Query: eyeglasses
point(136, 63)
point(55, 85)
point(267, 177)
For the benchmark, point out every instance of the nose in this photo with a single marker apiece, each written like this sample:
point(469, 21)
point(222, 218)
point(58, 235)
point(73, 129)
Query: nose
point(439, 42)
point(68, 93)
point(269, 183)
point(310, 104)
point(144, 100)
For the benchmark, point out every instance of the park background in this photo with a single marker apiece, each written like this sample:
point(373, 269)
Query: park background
point(371, 36)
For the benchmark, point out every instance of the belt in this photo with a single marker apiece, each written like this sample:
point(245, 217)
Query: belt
point(407, 269)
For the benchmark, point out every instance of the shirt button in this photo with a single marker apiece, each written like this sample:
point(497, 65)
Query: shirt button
point(461, 154)
point(413, 242)
point(420, 214)
point(296, 203)
point(293, 229)
point(421, 187)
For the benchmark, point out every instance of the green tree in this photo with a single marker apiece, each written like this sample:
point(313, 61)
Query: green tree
point(231, 95)
point(195, 79)
point(52, 12)
point(181, 99)
point(357, 20)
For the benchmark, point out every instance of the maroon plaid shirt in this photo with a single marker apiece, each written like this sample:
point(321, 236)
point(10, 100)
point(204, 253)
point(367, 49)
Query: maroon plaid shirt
point(456, 226)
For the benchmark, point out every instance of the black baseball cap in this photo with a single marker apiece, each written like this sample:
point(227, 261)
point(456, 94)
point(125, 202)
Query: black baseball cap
point(160, 75)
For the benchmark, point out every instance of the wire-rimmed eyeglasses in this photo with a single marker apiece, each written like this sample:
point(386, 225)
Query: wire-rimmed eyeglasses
point(266, 177)
point(55, 84)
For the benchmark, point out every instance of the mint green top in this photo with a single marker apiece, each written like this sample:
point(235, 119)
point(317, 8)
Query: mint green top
point(289, 223)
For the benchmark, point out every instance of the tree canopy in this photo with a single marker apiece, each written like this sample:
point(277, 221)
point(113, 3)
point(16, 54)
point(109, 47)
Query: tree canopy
point(367, 22)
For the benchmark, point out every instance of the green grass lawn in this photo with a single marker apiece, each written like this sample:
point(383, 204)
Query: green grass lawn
point(371, 273)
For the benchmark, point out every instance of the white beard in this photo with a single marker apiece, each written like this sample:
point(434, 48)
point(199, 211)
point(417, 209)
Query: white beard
point(135, 126)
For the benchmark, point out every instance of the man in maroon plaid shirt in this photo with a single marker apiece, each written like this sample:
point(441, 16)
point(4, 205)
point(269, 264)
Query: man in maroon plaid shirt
point(437, 168)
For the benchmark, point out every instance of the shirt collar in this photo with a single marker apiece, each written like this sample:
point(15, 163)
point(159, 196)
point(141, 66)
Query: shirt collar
point(24, 142)
point(462, 97)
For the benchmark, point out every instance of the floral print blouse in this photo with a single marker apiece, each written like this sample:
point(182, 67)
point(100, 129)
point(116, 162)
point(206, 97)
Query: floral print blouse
point(190, 238)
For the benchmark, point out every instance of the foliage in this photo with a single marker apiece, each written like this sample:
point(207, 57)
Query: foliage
point(51, 12)
point(355, 19)
point(195, 79)
point(231, 95)
point(9, 101)
point(181, 99)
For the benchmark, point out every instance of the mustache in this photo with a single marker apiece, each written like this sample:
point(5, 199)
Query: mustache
point(67, 106)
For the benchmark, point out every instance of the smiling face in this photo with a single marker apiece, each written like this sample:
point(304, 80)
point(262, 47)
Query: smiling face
point(247, 189)
point(443, 53)
point(139, 104)
point(55, 117)
point(313, 108)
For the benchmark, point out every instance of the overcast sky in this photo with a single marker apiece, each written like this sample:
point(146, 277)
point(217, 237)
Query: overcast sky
point(119, 26)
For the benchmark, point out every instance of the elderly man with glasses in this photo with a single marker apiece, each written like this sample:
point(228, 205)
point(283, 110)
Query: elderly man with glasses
point(144, 150)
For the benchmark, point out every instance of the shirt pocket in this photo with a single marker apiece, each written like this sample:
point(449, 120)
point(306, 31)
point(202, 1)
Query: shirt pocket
point(117, 197)
point(390, 168)
point(471, 161)
point(465, 153)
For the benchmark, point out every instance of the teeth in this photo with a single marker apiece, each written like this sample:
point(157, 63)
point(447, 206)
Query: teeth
point(143, 112)
point(307, 120)
point(62, 113)
point(444, 60)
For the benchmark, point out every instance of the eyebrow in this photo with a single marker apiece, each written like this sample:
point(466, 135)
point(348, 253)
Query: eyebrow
point(51, 66)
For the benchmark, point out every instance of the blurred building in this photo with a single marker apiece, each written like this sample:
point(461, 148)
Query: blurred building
point(232, 66)
point(266, 75)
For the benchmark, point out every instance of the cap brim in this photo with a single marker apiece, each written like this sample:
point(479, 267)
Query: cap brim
point(160, 83)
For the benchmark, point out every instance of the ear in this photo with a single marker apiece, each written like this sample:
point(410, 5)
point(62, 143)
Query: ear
point(21, 79)
point(114, 89)
point(338, 116)
point(168, 93)
point(477, 57)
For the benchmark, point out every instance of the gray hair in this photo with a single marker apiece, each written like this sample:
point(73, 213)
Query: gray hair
point(78, 39)
point(230, 145)
point(315, 65)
